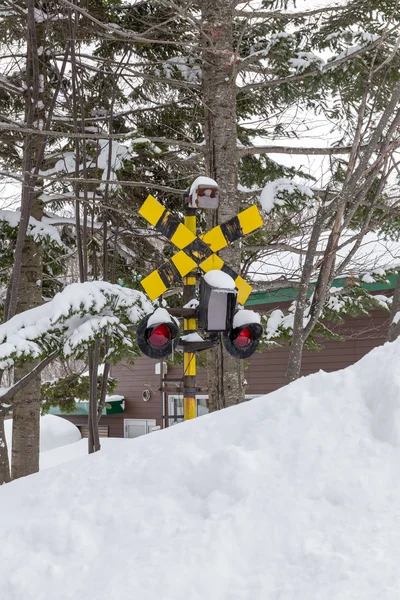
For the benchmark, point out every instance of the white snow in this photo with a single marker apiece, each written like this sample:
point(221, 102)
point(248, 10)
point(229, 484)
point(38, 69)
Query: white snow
point(374, 256)
point(115, 398)
point(78, 450)
point(371, 277)
point(205, 201)
point(38, 230)
point(71, 320)
point(368, 278)
point(192, 303)
point(187, 67)
point(110, 162)
point(54, 432)
point(100, 371)
point(294, 495)
point(304, 60)
point(202, 181)
point(396, 318)
point(278, 322)
point(192, 337)
point(245, 317)
point(273, 322)
point(272, 193)
point(160, 315)
point(220, 280)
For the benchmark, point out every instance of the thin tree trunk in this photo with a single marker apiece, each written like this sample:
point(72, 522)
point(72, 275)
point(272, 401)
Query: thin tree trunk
point(93, 424)
point(298, 339)
point(104, 383)
point(225, 373)
point(4, 462)
point(394, 323)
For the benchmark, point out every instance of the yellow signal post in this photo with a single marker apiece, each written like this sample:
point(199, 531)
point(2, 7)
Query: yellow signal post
point(189, 326)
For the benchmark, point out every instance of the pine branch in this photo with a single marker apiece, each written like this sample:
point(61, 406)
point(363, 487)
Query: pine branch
point(19, 385)
point(291, 16)
point(312, 73)
point(114, 33)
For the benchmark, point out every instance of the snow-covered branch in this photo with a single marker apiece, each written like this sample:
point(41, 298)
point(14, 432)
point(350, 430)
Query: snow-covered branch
point(36, 229)
point(72, 321)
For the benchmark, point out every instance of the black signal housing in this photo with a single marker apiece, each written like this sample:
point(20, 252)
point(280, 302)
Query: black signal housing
point(157, 340)
point(241, 342)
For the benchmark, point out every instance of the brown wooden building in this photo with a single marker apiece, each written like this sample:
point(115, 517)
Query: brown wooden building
point(146, 407)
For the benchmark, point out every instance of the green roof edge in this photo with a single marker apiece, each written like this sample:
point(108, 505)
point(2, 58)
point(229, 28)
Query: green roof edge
point(289, 294)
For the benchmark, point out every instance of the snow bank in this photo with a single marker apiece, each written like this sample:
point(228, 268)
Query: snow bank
point(54, 432)
point(294, 495)
point(78, 450)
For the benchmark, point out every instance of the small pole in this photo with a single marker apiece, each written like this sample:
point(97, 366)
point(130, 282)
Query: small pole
point(162, 394)
point(189, 326)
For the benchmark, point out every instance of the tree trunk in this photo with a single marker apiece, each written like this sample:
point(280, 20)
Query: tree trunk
point(301, 331)
point(26, 413)
point(4, 462)
point(298, 337)
point(295, 357)
point(93, 421)
point(394, 324)
point(225, 373)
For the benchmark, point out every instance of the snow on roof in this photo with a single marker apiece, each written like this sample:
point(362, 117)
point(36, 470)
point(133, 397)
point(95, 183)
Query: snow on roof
point(291, 495)
point(115, 398)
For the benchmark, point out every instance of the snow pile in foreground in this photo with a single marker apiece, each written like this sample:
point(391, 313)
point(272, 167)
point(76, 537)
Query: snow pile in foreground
point(54, 432)
point(63, 454)
point(292, 496)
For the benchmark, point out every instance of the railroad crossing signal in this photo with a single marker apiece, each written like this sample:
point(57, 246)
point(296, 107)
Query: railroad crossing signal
point(216, 305)
point(195, 251)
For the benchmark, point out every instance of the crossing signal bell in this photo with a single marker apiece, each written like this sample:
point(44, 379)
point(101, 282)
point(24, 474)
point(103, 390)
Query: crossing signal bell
point(157, 334)
point(204, 194)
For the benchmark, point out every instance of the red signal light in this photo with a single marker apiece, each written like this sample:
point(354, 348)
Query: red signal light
point(159, 336)
point(242, 341)
point(159, 339)
point(244, 338)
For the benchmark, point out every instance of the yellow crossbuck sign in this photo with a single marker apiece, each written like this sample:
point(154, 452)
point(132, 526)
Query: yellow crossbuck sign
point(195, 251)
